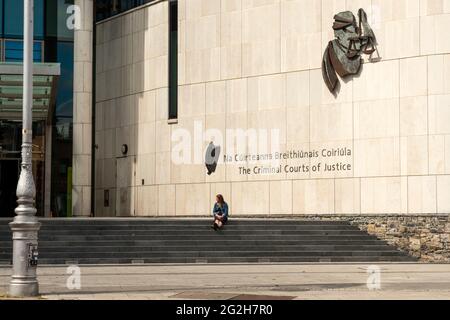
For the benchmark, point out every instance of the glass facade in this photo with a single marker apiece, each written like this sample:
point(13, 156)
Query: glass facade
point(12, 19)
point(11, 30)
point(60, 48)
point(62, 134)
point(107, 8)
point(53, 44)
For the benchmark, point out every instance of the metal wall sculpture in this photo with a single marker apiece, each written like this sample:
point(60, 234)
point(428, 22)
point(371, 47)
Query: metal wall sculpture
point(343, 55)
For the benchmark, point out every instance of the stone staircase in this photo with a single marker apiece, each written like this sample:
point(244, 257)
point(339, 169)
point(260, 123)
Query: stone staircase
point(124, 241)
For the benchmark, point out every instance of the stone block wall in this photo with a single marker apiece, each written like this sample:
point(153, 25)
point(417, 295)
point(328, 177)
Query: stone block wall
point(424, 237)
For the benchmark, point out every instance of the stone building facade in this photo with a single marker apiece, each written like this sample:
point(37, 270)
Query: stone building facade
point(384, 137)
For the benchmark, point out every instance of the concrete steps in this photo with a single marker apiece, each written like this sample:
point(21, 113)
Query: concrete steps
point(121, 241)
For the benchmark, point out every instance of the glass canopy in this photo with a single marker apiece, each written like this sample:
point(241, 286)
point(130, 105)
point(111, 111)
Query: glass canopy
point(44, 90)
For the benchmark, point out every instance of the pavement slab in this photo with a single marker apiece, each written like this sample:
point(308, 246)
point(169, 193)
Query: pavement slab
point(242, 282)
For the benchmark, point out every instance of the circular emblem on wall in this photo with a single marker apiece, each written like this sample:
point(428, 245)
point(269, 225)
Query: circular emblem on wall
point(212, 158)
point(124, 149)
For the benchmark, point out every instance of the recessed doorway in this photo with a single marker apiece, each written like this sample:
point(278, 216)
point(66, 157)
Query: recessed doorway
point(9, 175)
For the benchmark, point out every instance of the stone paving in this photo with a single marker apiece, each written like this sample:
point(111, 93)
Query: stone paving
point(223, 282)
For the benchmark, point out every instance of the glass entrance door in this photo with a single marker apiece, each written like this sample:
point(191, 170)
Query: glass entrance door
point(10, 146)
point(9, 175)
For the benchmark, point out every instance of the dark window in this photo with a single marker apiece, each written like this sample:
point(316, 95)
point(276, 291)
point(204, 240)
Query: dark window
point(64, 95)
point(2, 4)
point(56, 17)
point(62, 133)
point(173, 59)
point(108, 8)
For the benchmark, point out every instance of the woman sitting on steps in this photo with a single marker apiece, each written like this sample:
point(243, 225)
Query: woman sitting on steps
point(220, 213)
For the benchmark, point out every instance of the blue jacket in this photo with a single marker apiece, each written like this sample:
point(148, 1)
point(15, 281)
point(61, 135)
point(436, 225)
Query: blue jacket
point(223, 210)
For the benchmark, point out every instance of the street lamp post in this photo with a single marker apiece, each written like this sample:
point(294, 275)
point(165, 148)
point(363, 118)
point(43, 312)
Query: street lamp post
point(25, 225)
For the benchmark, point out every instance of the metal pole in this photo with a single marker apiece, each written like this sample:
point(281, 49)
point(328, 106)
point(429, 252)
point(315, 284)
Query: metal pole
point(25, 225)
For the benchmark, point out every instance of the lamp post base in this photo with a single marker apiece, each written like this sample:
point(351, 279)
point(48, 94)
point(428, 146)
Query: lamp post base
point(23, 288)
point(25, 239)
